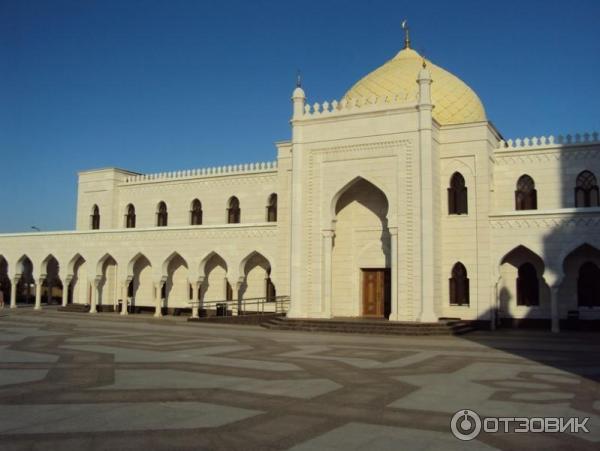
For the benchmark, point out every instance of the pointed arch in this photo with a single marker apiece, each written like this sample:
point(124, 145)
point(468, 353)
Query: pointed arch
point(346, 186)
point(134, 260)
point(250, 256)
point(173, 255)
point(216, 285)
point(49, 260)
point(107, 257)
point(207, 258)
point(71, 266)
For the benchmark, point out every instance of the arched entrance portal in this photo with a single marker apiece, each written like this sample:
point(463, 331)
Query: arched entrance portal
point(361, 276)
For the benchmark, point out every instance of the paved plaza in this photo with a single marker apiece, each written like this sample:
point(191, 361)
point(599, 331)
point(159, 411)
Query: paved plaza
point(87, 382)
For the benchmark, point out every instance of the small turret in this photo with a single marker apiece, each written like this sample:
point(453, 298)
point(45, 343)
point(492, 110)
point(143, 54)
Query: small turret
point(298, 99)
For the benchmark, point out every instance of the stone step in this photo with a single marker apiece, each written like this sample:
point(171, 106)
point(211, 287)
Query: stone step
point(369, 326)
point(80, 308)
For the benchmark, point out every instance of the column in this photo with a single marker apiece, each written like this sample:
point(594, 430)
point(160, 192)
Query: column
point(95, 296)
point(38, 294)
point(554, 308)
point(195, 300)
point(13, 292)
point(124, 298)
point(395, 310)
point(238, 305)
point(65, 292)
point(158, 299)
point(327, 272)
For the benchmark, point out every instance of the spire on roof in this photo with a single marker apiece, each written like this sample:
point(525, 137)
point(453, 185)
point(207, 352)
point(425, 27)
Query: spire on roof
point(406, 36)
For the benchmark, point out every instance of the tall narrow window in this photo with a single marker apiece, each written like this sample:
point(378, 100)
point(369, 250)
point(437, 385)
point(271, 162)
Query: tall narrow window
point(233, 211)
point(162, 215)
point(459, 285)
point(457, 195)
point(196, 213)
point(130, 217)
point(588, 285)
point(586, 190)
point(95, 218)
point(528, 287)
point(272, 208)
point(525, 194)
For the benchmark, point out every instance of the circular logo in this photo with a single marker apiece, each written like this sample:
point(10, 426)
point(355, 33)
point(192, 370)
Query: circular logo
point(465, 425)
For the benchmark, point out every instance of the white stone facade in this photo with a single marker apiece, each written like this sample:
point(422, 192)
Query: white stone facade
point(361, 185)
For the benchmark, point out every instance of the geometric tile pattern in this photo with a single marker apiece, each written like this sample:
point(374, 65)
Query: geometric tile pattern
point(70, 381)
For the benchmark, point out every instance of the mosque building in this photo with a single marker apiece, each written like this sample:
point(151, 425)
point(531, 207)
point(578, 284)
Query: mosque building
point(400, 201)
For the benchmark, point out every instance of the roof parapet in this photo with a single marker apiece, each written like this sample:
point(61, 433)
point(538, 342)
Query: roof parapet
point(248, 168)
point(543, 141)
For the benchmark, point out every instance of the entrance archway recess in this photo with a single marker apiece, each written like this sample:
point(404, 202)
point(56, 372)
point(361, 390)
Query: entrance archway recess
point(358, 255)
point(105, 284)
point(580, 289)
point(52, 285)
point(523, 292)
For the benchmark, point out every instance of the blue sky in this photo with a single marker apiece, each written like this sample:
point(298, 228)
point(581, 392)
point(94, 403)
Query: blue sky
point(165, 85)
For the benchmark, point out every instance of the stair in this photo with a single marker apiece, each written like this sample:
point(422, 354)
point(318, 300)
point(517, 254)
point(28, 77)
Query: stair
point(256, 319)
point(360, 326)
point(78, 308)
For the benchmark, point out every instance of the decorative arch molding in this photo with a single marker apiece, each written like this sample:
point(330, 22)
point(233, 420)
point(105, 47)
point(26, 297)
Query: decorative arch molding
point(329, 215)
point(456, 165)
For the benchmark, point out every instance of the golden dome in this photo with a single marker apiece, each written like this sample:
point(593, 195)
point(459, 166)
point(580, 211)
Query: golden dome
point(454, 102)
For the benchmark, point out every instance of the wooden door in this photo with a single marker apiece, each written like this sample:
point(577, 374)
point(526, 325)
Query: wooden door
point(376, 293)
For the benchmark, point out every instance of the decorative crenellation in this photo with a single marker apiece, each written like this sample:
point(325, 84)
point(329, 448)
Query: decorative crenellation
point(544, 141)
point(345, 106)
point(248, 168)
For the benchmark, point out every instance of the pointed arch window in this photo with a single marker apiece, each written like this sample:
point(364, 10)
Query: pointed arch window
point(130, 217)
point(272, 208)
point(162, 216)
point(528, 287)
point(196, 213)
point(588, 285)
point(586, 190)
point(457, 195)
point(459, 285)
point(95, 219)
point(525, 194)
point(233, 211)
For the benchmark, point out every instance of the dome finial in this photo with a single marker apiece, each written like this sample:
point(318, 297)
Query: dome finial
point(298, 79)
point(406, 37)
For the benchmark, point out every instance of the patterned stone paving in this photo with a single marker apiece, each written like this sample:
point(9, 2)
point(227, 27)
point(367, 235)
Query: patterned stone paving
point(75, 381)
